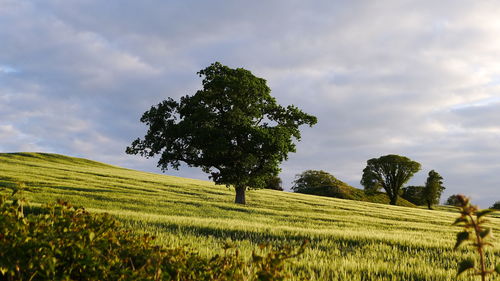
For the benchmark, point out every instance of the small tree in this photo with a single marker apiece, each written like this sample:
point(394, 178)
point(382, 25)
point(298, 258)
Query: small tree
point(313, 179)
point(414, 194)
point(496, 206)
point(389, 172)
point(232, 128)
point(274, 183)
point(453, 200)
point(433, 189)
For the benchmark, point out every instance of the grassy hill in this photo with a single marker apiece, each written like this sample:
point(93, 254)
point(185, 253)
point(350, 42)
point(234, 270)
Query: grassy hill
point(344, 191)
point(350, 240)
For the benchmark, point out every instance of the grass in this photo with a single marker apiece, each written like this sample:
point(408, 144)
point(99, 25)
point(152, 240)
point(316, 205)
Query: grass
point(350, 240)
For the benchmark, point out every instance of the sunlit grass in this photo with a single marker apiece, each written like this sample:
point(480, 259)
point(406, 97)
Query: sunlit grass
point(350, 240)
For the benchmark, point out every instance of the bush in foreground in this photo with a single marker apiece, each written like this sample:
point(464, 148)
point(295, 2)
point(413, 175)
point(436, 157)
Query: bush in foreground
point(477, 234)
point(61, 242)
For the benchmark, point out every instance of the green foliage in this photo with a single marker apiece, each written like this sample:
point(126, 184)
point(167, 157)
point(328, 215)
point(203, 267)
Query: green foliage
point(465, 265)
point(496, 206)
point(453, 200)
point(312, 179)
point(433, 189)
point(274, 183)
point(414, 194)
point(475, 233)
point(62, 242)
point(233, 129)
point(389, 172)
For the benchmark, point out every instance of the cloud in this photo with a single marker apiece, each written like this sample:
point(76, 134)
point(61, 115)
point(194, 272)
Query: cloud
point(416, 78)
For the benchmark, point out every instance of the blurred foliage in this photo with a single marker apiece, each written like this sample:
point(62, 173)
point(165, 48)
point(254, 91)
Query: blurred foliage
point(477, 234)
point(61, 242)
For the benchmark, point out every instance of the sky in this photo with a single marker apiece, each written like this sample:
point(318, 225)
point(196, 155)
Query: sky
point(415, 78)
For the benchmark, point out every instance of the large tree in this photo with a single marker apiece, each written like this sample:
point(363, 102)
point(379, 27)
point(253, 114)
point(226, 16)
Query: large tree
point(389, 172)
point(433, 189)
point(232, 128)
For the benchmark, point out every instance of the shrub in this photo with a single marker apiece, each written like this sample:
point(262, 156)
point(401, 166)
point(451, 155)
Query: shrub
point(453, 200)
point(61, 242)
point(274, 183)
point(313, 179)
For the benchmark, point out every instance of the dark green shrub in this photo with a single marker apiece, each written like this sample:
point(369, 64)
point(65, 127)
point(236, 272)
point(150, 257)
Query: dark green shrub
point(274, 183)
point(453, 200)
point(61, 242)
point(314, 179)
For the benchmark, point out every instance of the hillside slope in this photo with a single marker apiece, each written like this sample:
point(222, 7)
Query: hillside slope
point(350, 240)
point(344, 191)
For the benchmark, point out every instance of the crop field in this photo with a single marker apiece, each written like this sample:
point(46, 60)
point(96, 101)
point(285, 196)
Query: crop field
point(349, 240)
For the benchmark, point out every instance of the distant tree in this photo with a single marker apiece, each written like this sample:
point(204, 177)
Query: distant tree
point(496, 206)
point(274, 183)
point(414, 194)
point(433, 189)
point(389, 172)
point(313, 179)
point(232, 128)
point(453, 200)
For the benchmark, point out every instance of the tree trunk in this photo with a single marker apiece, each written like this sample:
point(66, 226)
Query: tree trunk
point(429, 205)
point(240, 195)
point(394, 200)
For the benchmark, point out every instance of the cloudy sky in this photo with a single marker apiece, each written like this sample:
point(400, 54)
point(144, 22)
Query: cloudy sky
point(415, 78)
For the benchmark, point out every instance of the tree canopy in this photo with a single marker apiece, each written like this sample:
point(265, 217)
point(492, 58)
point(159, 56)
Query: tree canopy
point(313, 179)
point(389, 172)
point(232, 129)
point(453, 200)
point(433, 189)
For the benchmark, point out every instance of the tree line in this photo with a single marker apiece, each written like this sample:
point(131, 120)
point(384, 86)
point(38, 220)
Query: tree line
point(234, 130)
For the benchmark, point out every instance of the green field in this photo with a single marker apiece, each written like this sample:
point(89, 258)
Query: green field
point(350, 240)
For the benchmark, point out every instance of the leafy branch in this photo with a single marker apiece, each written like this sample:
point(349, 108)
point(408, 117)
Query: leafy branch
point(475, 233)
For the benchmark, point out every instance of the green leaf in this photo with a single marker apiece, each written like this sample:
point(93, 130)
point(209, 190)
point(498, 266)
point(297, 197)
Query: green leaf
point(485, 233)
point(461, 237)
point(483, 212)
point(465, 265)
point(460, 220)
point(497, 268)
